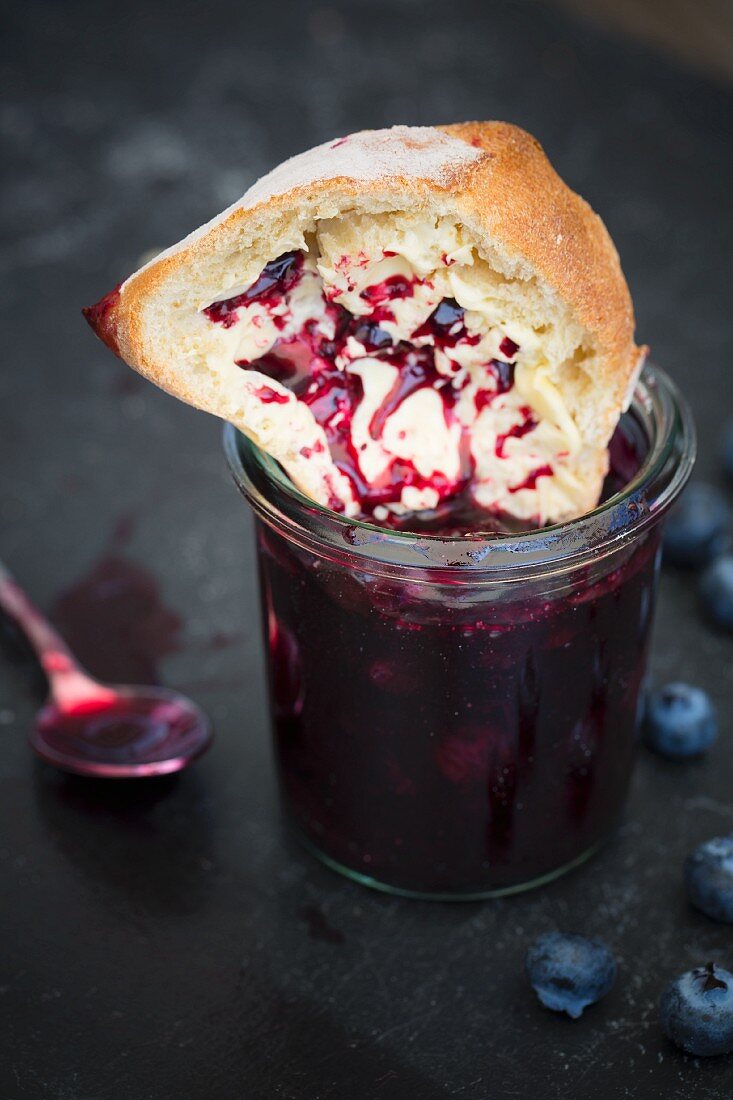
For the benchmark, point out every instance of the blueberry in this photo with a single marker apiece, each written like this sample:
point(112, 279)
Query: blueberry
point(716, 591)
point(709, 878)
point(569, 972)
point(726, 448)
point(680, 722)
point(697, 528)
point(696, 1011)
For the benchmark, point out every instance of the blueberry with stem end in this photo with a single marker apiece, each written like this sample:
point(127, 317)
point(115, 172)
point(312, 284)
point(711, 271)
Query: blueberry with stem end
point(696, 1011)
point(680, 722)
point(570, 972)
point(709, 878)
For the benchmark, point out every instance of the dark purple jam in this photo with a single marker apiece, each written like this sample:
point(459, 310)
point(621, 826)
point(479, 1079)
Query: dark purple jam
point(274, 282)
point(371, 336)
point(396, 286)
point(508, 347)
point(445, 326)
point(439, 739)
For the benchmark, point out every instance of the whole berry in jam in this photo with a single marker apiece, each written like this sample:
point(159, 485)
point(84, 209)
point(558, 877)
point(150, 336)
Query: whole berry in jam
point(696, 1011)
point(716, 591)
point(680, 722)
point(709, 878)
point(697, 528)
point(570, 972)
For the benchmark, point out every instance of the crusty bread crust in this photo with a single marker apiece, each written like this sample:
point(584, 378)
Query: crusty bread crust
point(509, 194)
point(492, 177)
point(518, 199)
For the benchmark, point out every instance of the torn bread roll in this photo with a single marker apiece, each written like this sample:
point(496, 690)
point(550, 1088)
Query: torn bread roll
point(400, 317)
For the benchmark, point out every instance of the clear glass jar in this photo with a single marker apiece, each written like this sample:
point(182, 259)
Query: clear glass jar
point(457, 717)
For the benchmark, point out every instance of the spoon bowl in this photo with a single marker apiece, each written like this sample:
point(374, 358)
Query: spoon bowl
point(95, 729)
point(138, 731)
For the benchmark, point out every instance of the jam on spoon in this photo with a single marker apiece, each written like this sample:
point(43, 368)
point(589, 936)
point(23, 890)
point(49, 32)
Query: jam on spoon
point(96, 729)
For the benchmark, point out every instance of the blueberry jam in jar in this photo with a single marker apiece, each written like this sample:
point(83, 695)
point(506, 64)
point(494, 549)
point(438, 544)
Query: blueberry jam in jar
point(455, 714)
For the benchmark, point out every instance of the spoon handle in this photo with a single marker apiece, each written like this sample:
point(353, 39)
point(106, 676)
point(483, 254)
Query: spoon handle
point(68, 682)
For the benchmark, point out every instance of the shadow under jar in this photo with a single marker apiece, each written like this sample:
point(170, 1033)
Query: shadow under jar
point(457, 717)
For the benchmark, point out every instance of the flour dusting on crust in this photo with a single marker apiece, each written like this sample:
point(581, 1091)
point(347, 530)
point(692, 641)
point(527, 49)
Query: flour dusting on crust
point(415, 152)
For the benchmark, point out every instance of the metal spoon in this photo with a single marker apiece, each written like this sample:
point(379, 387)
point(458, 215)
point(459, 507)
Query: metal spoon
point(96, 729)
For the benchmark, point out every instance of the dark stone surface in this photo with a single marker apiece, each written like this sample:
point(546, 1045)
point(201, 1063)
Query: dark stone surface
point(167, 939)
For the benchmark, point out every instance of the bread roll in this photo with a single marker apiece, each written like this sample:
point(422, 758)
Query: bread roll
point(383, 226)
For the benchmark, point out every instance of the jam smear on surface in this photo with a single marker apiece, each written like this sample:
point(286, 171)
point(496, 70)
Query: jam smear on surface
point(115, 620)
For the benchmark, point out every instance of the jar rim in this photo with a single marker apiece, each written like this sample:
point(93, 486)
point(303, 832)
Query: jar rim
point(657, 403)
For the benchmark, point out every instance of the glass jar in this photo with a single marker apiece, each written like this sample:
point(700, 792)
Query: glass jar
point(457, 717)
